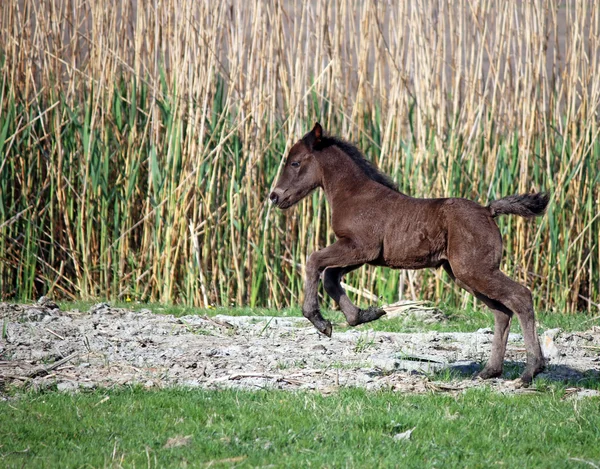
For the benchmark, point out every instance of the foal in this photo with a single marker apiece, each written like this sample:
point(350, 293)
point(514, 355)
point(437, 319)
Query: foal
point(378, 225)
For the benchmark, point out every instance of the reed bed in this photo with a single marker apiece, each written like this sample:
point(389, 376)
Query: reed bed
point(139, 140)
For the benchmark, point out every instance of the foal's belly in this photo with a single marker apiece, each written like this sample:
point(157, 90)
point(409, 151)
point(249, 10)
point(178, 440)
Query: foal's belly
point(415, 249)
point(412, 261)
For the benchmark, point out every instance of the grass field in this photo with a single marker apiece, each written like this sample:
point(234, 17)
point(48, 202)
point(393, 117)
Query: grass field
point(350, 428)
point(545, 427)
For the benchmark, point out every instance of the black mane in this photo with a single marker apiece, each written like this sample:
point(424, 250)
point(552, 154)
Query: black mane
point(366, 166)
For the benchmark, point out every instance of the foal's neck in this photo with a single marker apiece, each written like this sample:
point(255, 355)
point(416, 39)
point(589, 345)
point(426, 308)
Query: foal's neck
point(342, 178)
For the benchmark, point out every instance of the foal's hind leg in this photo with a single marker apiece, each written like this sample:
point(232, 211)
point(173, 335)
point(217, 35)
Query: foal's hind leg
point(355, 316)
point(495, 364)
point(502, 318)
point(521, 303)
point(331, 282)
point(516, 298)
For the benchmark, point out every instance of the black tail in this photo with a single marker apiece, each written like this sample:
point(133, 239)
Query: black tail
point(525, 205)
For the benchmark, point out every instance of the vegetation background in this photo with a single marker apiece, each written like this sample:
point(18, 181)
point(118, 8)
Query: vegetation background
point(139, 140)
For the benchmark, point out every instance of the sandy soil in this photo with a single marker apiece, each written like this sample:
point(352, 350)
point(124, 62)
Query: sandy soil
point(42, 346)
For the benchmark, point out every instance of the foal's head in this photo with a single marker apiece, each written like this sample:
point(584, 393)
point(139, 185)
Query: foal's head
point(301, 173)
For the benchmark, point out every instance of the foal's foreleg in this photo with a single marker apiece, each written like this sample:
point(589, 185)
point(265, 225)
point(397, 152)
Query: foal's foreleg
point(342, 256)
point(332, 282)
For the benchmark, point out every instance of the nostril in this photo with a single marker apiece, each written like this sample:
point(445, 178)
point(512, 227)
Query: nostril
point(274, 198)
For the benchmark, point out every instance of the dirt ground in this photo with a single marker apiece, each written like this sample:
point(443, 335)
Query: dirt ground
point(42, 346)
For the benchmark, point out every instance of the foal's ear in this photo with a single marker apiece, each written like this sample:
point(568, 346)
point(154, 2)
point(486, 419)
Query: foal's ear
point(318, 132)
point(313, 138)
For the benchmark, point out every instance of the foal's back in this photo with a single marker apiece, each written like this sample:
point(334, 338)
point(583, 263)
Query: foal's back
point(418, 233)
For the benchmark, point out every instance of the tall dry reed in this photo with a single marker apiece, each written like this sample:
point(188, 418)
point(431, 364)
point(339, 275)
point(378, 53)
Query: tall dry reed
point(139, 139)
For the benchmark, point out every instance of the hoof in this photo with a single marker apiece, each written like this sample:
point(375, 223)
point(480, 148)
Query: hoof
point(326, 329)
point(370, 314)
point(488, 373)
point(524, 381)
point(530, 372)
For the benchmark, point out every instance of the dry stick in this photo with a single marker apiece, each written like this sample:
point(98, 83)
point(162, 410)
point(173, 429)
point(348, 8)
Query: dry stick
point(55, 334)
point(224, 324)
point(201, 274)
point(45, 370)
point(13, 219)
point(238, 376)
point(29, 124)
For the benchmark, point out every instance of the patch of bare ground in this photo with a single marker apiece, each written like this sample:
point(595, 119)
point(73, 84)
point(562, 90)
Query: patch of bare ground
point(42, 346)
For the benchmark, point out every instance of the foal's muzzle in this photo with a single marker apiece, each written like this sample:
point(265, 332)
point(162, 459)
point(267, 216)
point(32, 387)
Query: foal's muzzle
point(276, 196)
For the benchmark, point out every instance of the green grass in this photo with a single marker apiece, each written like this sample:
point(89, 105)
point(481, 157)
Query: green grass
point(351, 428)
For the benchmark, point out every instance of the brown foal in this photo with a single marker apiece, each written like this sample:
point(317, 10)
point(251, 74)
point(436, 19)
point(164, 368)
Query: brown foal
point(376, 224)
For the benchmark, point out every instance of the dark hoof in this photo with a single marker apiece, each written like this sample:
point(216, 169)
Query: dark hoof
point(530, 372)
point(370, 314)
point(326, 329)
point(488, 373)
point(527, 378)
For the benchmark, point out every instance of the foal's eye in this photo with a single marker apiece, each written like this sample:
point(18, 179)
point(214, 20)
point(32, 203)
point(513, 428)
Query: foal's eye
point(295, 164)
